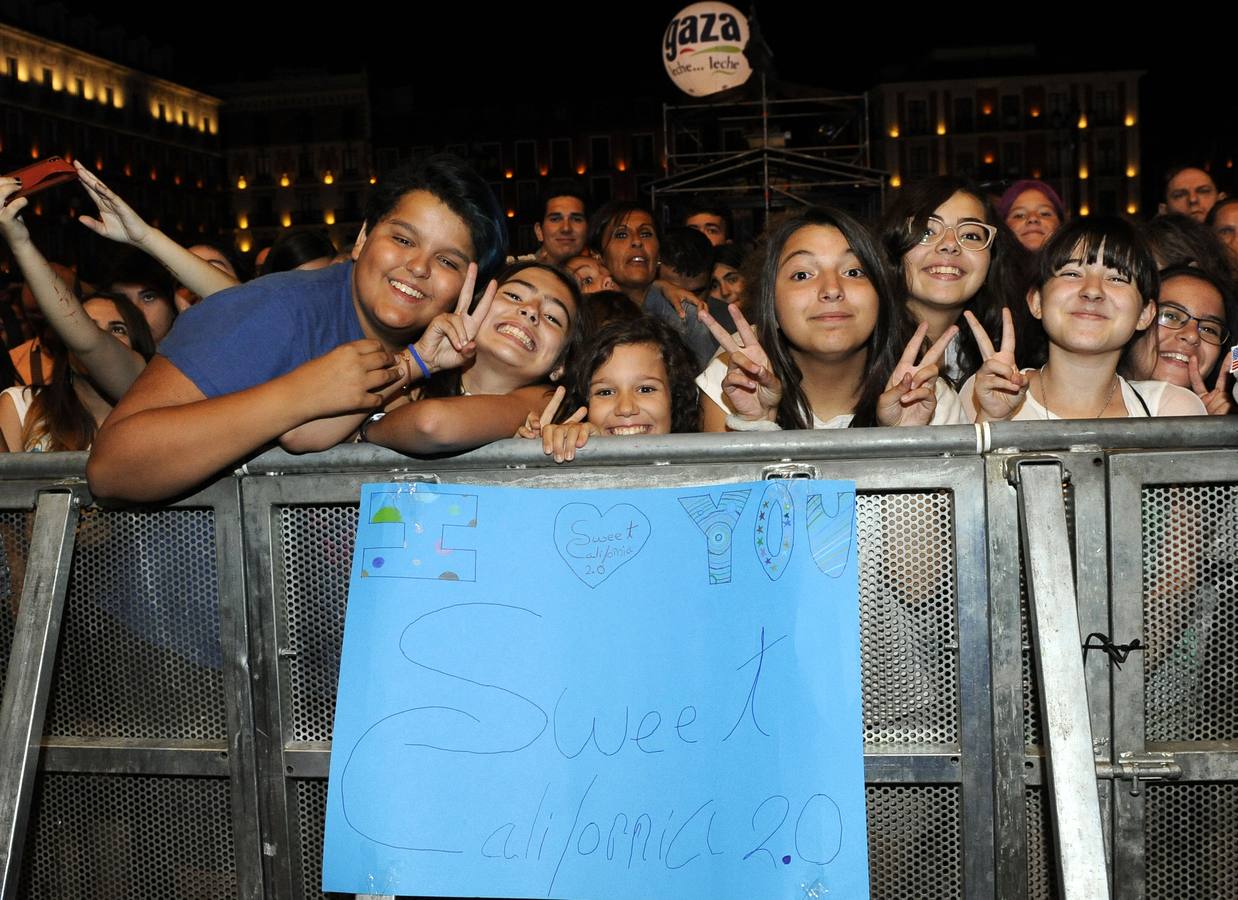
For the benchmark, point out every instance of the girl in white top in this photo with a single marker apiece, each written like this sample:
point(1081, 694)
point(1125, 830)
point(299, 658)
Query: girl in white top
point(1094, 293)
point(830, 346)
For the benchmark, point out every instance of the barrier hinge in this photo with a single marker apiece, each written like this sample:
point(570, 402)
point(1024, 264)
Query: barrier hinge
point(1137, 767)
point(790, 470)
point(1015, 463)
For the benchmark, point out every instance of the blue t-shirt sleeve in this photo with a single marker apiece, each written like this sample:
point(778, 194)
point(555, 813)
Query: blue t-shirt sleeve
point(249, 334)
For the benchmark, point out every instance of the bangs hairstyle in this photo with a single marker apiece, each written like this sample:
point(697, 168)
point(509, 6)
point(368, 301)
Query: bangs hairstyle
point(462, 190)
point(681, 368)
point(447, 383)
point(1009, 261)
point(884, 345)
point(1123, 247)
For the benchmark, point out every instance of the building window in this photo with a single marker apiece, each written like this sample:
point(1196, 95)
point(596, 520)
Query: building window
point(388, 159)
point(1012, 158)
point(964, 114)
point(1011, 116)
point(526, 199)
point(163, 112)
point(1106, 108)
point(79, 86)
point(561, 160)
point(262, 164)
point(917, 117)
point(11, 66)
point(919, 162)
point(965, 164)
point(599, 152)
point(206, 123)
point(350, 160)
point(526, 159)
point(1107, 157)
point(644, 155)
point(47, 77)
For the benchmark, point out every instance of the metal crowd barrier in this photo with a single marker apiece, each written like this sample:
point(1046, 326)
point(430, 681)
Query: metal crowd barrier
point(184, 696)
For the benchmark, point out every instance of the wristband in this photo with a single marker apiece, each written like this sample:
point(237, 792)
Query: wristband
point(366, 424)
point(425, 370)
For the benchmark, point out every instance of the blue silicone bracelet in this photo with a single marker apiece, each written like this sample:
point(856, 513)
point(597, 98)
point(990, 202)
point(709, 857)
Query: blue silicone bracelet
point(425, 370)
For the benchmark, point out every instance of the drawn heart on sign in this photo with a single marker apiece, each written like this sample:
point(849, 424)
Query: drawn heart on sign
point(594, 545)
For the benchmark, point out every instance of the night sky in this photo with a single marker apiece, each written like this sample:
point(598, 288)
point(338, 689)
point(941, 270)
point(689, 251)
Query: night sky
point(450, 56)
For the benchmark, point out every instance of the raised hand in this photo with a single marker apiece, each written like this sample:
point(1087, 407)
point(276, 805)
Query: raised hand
point(752, 388)
point(117, 221)
point(999, 386)
point(910, 397)
point(1217, 401)
point(11, 224)
point(449, 341)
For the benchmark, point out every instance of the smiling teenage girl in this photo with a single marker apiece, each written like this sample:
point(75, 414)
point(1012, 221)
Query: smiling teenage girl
point(953, 254)
point(1093, 295)
point(487, 370)
point(825, 350)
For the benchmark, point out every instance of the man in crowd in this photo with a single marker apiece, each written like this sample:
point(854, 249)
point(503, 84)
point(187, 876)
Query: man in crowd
point(1190, 191)
point(561, 232)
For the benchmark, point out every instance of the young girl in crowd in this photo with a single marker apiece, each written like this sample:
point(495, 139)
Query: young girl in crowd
point(1096, 290)
point(635, 377)
point(954, 254)
point(65, 413)
point(97, 349)
point(1190, 334)
point(483, 372)
point(830, 347)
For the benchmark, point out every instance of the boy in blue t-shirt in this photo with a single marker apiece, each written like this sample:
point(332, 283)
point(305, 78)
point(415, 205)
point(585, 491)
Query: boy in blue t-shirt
point(259, 362)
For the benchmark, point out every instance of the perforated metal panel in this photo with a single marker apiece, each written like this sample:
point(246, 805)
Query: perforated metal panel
point(1191, 841)
point(140, 646)
point(1190, 603)
point(98, 837)
point(317, 546)
point(1041, 867)
point(311, 816)
point(915, 842)
point(15, 525)
point(908, 621)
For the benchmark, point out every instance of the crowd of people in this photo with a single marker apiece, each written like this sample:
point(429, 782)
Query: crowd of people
point(956, 306)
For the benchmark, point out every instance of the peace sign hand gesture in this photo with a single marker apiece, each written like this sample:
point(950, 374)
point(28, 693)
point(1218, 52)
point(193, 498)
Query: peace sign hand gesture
point(910, 397)
point(998, 386)
point(449, 341)
point(1217, 400)
point(751, 387)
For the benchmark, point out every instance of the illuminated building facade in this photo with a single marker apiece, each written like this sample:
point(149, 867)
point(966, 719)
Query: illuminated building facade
point(155, 142)
point(1078, 133)
point(298, 157)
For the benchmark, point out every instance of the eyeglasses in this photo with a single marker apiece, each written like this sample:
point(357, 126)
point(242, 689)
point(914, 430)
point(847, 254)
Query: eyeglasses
point(974, 236)
point(1176, 318)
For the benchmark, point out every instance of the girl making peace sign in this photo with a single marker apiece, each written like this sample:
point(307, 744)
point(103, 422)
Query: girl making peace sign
point(829, 348)
point(1095, 292)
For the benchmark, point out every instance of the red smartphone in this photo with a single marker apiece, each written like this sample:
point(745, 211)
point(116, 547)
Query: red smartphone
point(42, 175)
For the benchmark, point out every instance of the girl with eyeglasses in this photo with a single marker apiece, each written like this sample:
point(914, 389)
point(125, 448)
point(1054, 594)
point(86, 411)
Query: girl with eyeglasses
point(1094, 294)
point(1191, 334)
point(954, 254)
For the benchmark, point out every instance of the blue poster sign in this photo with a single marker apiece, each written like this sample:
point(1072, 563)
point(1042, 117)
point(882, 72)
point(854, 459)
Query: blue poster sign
point(597, 694)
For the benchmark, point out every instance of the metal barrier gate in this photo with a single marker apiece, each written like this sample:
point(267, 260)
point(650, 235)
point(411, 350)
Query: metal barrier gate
point(187, 731)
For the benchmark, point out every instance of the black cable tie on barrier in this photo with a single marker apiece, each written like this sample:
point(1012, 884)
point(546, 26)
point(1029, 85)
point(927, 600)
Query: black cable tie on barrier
point(1117, 653)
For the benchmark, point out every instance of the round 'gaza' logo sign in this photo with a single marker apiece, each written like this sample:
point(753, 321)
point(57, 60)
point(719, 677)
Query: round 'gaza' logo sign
point(703, 49)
